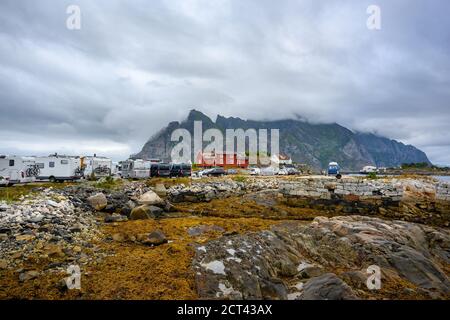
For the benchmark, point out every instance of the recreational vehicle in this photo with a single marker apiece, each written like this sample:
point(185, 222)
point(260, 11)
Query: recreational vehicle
point(369, 169)
point(116, 167)
point(334, 169)
point(181, 170)
point(136, 169)
point(99, 166)
point(16, 169)
point(59, 168)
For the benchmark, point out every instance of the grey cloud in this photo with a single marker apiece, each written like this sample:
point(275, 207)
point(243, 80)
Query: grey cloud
point(136, 65)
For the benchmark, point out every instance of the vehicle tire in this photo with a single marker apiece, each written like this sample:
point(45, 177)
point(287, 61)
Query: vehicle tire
point(52, 179)
point(338, 176)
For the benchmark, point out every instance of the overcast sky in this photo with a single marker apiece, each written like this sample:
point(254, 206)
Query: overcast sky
point(136, 65)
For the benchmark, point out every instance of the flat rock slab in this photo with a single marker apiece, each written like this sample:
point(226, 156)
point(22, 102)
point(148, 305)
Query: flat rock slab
point(201, 229)
point(265, 265)
point(327, 287)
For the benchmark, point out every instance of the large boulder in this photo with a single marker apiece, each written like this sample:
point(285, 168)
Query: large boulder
point(150, 198)
point(325, 259)
point(115, 218)
point(28, 275)
point(160, 190)
point(98, 201)
point(140, 212)
point(327, 287)
point(155, 238)
point(145, 212)
point(416, 253)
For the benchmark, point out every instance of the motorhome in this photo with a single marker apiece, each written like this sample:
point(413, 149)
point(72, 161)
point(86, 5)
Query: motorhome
point(59, 168)
point(115, 169)
point(99, 166)
point(17, 169)
point(181, 170)
point(369, 169)
point(135, 169)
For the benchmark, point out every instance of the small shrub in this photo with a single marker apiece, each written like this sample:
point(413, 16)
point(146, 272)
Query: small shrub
point(239, 179)
point(372, 175)
point(108, 183)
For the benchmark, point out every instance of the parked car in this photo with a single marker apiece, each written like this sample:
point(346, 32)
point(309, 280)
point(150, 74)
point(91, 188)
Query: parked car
point(255, 171)
point(163, 170)
point(269, 171)
point(215, 172)
point(181, 170)
point(292, 171)
point(334, 169)
point(283, 172)
point(232, 171)
point(201, 173)
point(154, 170)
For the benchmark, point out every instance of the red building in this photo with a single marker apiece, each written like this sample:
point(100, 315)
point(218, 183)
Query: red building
point(223, 159)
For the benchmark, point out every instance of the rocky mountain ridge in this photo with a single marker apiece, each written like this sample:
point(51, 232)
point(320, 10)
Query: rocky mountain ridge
point(312, 144)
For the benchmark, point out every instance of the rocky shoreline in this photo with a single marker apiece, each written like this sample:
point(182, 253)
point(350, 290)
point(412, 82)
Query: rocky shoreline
point(400, 225)
point(314, 261)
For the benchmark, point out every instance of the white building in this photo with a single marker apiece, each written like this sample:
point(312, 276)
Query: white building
point(281, 159)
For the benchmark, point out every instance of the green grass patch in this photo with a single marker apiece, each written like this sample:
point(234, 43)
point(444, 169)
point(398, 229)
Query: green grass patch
point(167, 182)
point(108, 183)
point(14, 193)
point(239, 178)
point(372, 176)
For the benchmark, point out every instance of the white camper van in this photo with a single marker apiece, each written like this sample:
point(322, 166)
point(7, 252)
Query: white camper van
point(100, 166)
point(59, 168)
point(136, 169)
point(16, 169)
point(115, 168)
point(369, 169)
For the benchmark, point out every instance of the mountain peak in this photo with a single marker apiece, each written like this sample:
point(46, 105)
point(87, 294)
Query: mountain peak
point(309, 143)
point(195, 115)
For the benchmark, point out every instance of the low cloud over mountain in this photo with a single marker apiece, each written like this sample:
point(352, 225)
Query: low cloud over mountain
point(136, 65)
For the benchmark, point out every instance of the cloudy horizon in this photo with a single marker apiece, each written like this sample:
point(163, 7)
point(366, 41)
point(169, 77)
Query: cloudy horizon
point(134, 66)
